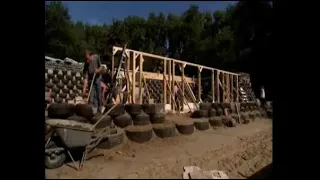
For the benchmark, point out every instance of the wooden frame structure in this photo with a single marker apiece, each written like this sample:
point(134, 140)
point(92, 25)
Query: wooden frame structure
point(225, 85)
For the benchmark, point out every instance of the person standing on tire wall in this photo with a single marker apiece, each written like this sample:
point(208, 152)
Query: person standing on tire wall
point(93, 66)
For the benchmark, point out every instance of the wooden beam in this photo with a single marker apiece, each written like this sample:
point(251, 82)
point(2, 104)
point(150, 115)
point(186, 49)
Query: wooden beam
point(133, 94)
point(223, 88)
point(140, 78)
point(182, 84)
point(173, 82)
point(164, 82)
point(199, 83)
point(232, 92)
point(237, 88)
point(169, 77)
point(217, 86)
point(112, 66)
point(227, 88)
point(174, 60)
point(212, 85)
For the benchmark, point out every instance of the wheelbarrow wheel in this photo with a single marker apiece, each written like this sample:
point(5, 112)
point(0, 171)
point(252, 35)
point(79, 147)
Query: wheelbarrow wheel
point(54, 160)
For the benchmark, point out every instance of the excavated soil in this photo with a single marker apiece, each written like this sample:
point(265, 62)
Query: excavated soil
point(240, 152)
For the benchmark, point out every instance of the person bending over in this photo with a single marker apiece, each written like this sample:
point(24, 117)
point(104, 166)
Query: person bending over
point(93, 66)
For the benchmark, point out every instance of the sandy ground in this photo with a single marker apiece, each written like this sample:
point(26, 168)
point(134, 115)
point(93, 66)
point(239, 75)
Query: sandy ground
point(240, 152)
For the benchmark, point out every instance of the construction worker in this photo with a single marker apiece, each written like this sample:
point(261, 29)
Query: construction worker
point(92, 72)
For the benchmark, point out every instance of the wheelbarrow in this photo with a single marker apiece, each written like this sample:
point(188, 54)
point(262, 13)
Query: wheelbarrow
point(67, 135)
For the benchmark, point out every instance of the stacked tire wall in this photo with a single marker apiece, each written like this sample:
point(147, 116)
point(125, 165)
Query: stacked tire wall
point(63, 81)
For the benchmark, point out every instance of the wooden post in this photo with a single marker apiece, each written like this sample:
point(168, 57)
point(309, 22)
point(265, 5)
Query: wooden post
point(169, 79)
point(164, 82)
point(232, 92)
point(140, 78)
point(228, 87)
point(112, 63)
point(182, 66)
point(223, 88)
point(212, 85)
point(218, 88)
point(237, 88)
point(128, 78)
point(133, 94)
point(199, 83)
point(172, 85)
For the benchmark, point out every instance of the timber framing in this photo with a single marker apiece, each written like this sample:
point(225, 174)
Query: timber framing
point(224, 84)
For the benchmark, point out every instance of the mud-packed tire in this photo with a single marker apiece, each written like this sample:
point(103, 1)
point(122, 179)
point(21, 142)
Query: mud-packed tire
point(215, 106)
point(133, 109)
point(71, 109)
point(235, 117)
point(78, 119)
point(58, 111)
point(116, 111)
point(245, 118)
point(111, 140)
point(219, 112)
point(139, 134)
point(141, 119)
point(201, 124)
point(205, 106)
point(149, 109)
point(216, 121)
point(212, 112)
point(106, 121)
point(257, 114)
point(164, 130)
point(58, 160)
point(229, 121)
point(157, 118)
point(269, 113)
point(84, 110)
point(123, 120)
point(199, 113)
point(185, 127)
point(252, 116)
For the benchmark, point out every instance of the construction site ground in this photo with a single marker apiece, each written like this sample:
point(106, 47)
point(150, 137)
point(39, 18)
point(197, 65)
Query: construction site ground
point(240, 152)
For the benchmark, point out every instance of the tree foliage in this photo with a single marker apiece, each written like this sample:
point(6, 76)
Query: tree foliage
point(237, 38)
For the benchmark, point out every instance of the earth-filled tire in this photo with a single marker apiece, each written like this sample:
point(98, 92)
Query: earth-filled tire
point(235, 117)
point(201, 124)
point(58, 111)
point(215, 106)
point(78, 119)
point(245, 118)
point(199, 113)
point(139, 134)
point(60, 85)
point(106, 121)
point(216, 121)
point(205, 106)
point(133, 109)
point(71, 109)
point(111, 140)
point(212, 112)
point(158, 118)
point(164, 130)
point(252, 116)
point(84, 110)
point(229, 121)
point(219, 112)
point(55, 89)
point(149, 109)
point(141, 119)
point(269, 113)
point(123, 120)
point(116, 111)
point(58, 160)
point(185, 127)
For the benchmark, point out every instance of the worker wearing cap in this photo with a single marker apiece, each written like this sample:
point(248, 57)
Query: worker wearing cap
point(92, 72)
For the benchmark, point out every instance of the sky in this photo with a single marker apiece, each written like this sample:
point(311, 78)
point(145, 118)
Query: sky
point(100, 12)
